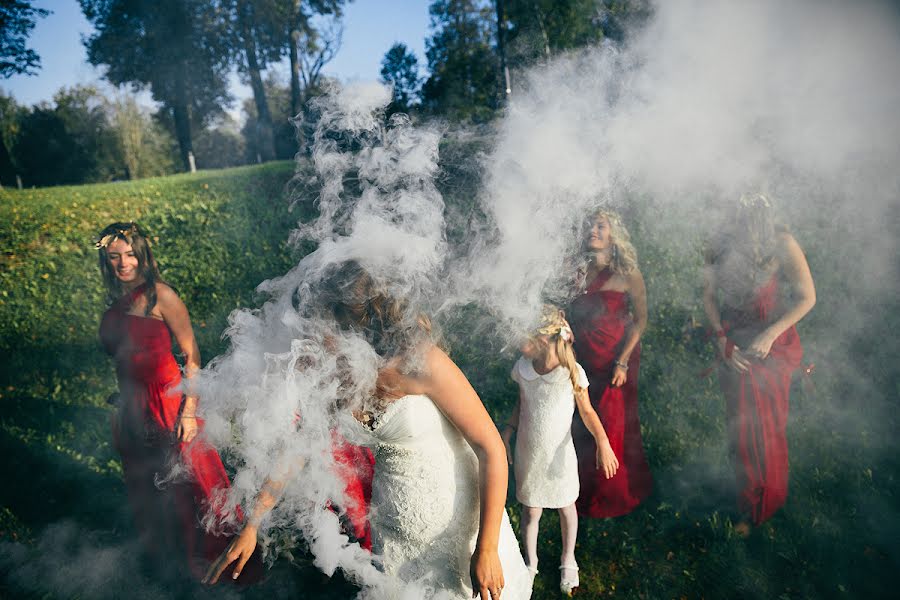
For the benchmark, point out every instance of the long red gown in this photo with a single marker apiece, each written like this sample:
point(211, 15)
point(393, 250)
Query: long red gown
point(757, 405)
point(599, 320)
point(167, 516)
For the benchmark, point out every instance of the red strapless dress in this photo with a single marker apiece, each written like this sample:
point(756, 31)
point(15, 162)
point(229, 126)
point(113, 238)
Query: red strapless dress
point(599, 320)
point(167, 516)
point(757, 406)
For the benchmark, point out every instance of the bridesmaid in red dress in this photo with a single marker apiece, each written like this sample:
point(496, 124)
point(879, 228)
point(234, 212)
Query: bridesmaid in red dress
point(156, 424)
point(758, 286)
point(607, 344)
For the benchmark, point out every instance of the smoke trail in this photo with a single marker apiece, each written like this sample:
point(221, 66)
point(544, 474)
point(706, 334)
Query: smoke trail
point(285, 387)
point(705, 102)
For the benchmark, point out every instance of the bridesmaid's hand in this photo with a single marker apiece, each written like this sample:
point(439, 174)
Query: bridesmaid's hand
point(736, 360)
point(487, 574)
point(606, 459)
point(240, 549)
point(187, 428)
point(761, 345)
point(620, 376)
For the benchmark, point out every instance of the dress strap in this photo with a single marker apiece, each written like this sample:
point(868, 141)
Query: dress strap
point(126, 300)
point(600, 280)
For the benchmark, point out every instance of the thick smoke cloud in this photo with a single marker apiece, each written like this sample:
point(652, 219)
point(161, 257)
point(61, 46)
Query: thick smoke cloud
point(706, 101)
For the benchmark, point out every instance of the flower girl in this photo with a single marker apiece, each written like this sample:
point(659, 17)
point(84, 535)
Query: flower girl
point(551, 386)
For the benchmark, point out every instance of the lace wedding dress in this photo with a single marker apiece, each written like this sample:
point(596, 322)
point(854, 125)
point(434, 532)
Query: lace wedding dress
point(425, 504)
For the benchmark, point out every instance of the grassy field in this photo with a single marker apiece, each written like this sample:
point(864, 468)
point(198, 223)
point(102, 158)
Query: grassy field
point(62, 503)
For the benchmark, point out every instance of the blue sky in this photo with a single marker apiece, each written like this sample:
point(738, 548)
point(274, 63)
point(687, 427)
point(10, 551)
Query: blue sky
point(370, 28)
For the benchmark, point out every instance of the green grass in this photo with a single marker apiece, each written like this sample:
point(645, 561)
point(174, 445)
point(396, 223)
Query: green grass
point(221, 233)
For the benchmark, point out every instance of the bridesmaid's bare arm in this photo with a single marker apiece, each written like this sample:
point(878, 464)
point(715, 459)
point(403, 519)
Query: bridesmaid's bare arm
point(175, 315)
point(637, 292)
point(803, 293)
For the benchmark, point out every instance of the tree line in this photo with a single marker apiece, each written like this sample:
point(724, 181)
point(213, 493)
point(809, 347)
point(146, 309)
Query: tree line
point(182, 51)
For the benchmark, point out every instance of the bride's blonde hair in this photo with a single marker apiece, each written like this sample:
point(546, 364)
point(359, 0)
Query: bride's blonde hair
point(554, 325)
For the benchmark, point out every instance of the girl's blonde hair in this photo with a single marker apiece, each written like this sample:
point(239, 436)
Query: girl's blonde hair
point(624, 257)
point(554, 324)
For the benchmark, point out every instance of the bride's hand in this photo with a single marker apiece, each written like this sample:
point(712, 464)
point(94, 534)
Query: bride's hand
point(240, 549)
point(487, 574)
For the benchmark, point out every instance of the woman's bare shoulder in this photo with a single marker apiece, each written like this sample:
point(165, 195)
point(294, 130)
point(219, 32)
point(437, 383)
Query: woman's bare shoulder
point(167, 297)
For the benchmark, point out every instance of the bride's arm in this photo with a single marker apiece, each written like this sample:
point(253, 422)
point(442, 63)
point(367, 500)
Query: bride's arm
point(449, 389)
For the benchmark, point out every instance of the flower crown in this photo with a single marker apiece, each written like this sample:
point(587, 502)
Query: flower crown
point(127, 234)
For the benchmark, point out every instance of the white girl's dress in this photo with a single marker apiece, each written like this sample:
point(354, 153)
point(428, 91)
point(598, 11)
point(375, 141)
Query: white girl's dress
point(425, 505)
point(545, 463)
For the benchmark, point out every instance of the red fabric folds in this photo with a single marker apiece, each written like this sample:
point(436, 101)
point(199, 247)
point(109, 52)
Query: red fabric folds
point(757, 407)
point(356, 466)
point(166, 514)
point(600, 320)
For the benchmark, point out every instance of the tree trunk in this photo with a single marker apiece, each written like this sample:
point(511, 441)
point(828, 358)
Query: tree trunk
point(293, 40)
point(501, 50)
point(182, 116)
point(546, 38)
point(7, 170)
point(264, 136)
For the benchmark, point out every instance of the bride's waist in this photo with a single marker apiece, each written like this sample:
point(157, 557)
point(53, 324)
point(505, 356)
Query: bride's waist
point(412, 459)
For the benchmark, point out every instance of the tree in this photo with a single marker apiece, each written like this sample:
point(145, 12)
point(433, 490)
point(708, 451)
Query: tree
point(285, 134)
point(17, 19)
point(539, 29)
point(178, 47)
point(221, 146)
point(302, 42)
point(400, 68)
point(69, 143)
point(461, 60)
point(145, 148)
point(10, 117)
point(259, 34)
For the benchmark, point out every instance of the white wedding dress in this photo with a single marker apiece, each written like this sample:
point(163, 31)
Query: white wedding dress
point(425, 504)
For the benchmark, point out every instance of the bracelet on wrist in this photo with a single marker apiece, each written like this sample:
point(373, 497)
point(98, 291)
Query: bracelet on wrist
point(622, 365)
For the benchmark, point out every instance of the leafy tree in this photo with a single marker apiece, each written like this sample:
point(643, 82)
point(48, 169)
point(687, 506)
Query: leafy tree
point(400, 68)
point(10, 117)
point(69, 143)
point(539, 29)
point(310, 48)
point(259, 35)
point(461, 60)
point(145, 147)
point(178, 47)
point(285, 133)
point(220, 146)
point(17, 19)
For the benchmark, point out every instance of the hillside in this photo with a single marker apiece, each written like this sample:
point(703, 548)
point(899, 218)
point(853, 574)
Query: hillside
point(217, 234)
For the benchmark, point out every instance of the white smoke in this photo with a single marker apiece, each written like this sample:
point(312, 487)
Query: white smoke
point(706, 101)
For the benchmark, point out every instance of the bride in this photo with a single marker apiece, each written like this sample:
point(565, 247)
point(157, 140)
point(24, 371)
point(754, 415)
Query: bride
point(437, 514)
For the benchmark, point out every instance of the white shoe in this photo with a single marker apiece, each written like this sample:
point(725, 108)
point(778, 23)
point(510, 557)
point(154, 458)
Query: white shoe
point(568, 578)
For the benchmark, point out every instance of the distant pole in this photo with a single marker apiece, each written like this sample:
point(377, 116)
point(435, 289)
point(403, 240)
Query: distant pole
point(504, 69)
point(191, 162)
point(18, 181)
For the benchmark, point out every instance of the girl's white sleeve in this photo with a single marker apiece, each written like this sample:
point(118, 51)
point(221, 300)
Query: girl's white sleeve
point(515, 372)
point(582, 377)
